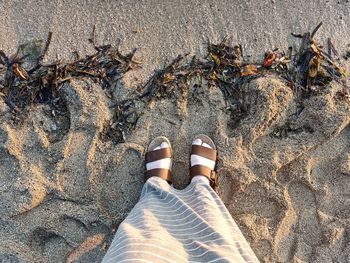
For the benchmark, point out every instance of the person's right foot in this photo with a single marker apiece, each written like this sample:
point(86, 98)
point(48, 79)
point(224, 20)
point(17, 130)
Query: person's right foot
point(203, 158)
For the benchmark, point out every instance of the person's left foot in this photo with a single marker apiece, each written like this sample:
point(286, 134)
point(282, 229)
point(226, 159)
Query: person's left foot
point(158, 159)
point(164, 163)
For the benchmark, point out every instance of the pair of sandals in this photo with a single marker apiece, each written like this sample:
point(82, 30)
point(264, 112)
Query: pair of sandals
point(156, 153)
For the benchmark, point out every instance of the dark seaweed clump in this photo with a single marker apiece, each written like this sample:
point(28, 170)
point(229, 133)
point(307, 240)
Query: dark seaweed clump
point(25, 80)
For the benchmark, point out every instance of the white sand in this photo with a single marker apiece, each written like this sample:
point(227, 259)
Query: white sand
point(61, 201)
point(164, 29)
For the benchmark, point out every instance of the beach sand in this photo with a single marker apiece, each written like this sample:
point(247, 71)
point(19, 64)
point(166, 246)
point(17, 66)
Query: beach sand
point(64, 190)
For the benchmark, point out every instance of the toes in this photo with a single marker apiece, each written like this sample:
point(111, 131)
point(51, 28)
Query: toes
point(164, 145)
point(197, 142)
point(206, 145)
point(161, 146)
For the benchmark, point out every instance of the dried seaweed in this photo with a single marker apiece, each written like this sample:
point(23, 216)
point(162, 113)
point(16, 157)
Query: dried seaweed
point(347, 53)
point(25, 82)
point(166, 81)
point(288, 129)
point(305, 70)
point(124, 119)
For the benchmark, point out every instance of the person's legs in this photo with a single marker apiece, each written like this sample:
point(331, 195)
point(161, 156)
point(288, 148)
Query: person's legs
point(212, 209)
point(170, 225)
point(141, 237)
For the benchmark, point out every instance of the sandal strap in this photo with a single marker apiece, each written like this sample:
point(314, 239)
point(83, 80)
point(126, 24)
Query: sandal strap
point(204, 152)
point(205, 171)
point(157, 155)
point(159, 172)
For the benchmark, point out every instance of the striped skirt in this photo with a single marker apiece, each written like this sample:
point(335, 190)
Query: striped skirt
point(170, 225)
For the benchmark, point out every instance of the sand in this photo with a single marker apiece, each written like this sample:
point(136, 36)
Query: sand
point(64, 190)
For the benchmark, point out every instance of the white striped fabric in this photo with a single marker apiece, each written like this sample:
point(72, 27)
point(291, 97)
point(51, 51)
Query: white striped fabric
point(170, 225)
